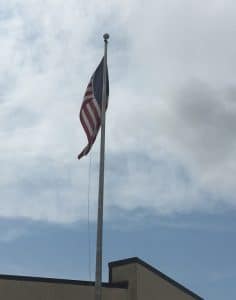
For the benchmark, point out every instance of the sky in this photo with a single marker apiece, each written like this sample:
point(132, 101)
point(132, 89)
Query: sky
point(170, 139)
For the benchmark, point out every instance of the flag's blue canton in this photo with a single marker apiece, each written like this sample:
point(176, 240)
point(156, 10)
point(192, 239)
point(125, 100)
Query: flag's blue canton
point(97, 79)
point(90, 112)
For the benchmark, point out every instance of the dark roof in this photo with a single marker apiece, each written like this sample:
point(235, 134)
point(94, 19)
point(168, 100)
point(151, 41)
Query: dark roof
point(123, 285)
point(152, 269)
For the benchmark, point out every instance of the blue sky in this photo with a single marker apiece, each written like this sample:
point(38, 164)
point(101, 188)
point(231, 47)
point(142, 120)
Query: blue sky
point(196, 250)
point(171, 149)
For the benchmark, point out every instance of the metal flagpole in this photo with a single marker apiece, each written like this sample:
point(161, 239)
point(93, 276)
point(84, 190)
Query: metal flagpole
point(98, 281)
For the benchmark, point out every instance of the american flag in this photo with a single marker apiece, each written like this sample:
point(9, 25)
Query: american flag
point(91, 109)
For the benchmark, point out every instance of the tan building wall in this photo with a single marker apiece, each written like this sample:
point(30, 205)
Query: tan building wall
point(28, 288)
point(147, 283)
point(129, 279)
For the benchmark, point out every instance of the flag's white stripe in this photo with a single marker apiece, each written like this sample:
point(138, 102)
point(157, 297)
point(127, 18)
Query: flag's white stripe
point(86, 121)
point(88, 97)
point(89, 89)
point(97, 107)
point(92, 114)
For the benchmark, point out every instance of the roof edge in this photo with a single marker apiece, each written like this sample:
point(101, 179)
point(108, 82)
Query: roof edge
point(139, 261)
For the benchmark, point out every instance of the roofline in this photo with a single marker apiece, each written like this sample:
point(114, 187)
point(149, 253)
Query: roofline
point(153, 270)
point(121, 285)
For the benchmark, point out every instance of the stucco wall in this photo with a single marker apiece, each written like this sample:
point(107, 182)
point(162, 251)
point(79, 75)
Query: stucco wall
point(152, 287)
point(34, 290)
point(126, 273)
point(147, 283)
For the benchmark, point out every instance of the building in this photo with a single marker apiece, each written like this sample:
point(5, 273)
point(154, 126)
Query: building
point(129, 279)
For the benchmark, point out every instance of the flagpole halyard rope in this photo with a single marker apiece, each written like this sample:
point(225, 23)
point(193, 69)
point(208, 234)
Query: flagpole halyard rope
point(88, 215)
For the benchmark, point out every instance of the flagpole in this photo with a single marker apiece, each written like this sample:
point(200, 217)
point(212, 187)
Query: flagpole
point(98, 279)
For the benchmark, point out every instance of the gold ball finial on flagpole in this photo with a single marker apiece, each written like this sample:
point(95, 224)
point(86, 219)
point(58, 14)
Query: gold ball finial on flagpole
point(106, 37)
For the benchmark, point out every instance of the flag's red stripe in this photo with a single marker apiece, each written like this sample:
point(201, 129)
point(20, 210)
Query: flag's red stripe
point(90, 120)
point(94, 109)
point(85, 128)
point(85, 151)
point(88, 102)
point(84, 123)
point(88, 93)
point(95, 117)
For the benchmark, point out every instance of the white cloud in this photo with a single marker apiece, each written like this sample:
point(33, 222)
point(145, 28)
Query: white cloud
point(172, 106)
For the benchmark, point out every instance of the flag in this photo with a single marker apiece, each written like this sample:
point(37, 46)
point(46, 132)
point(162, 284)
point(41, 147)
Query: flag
point(91, 108)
